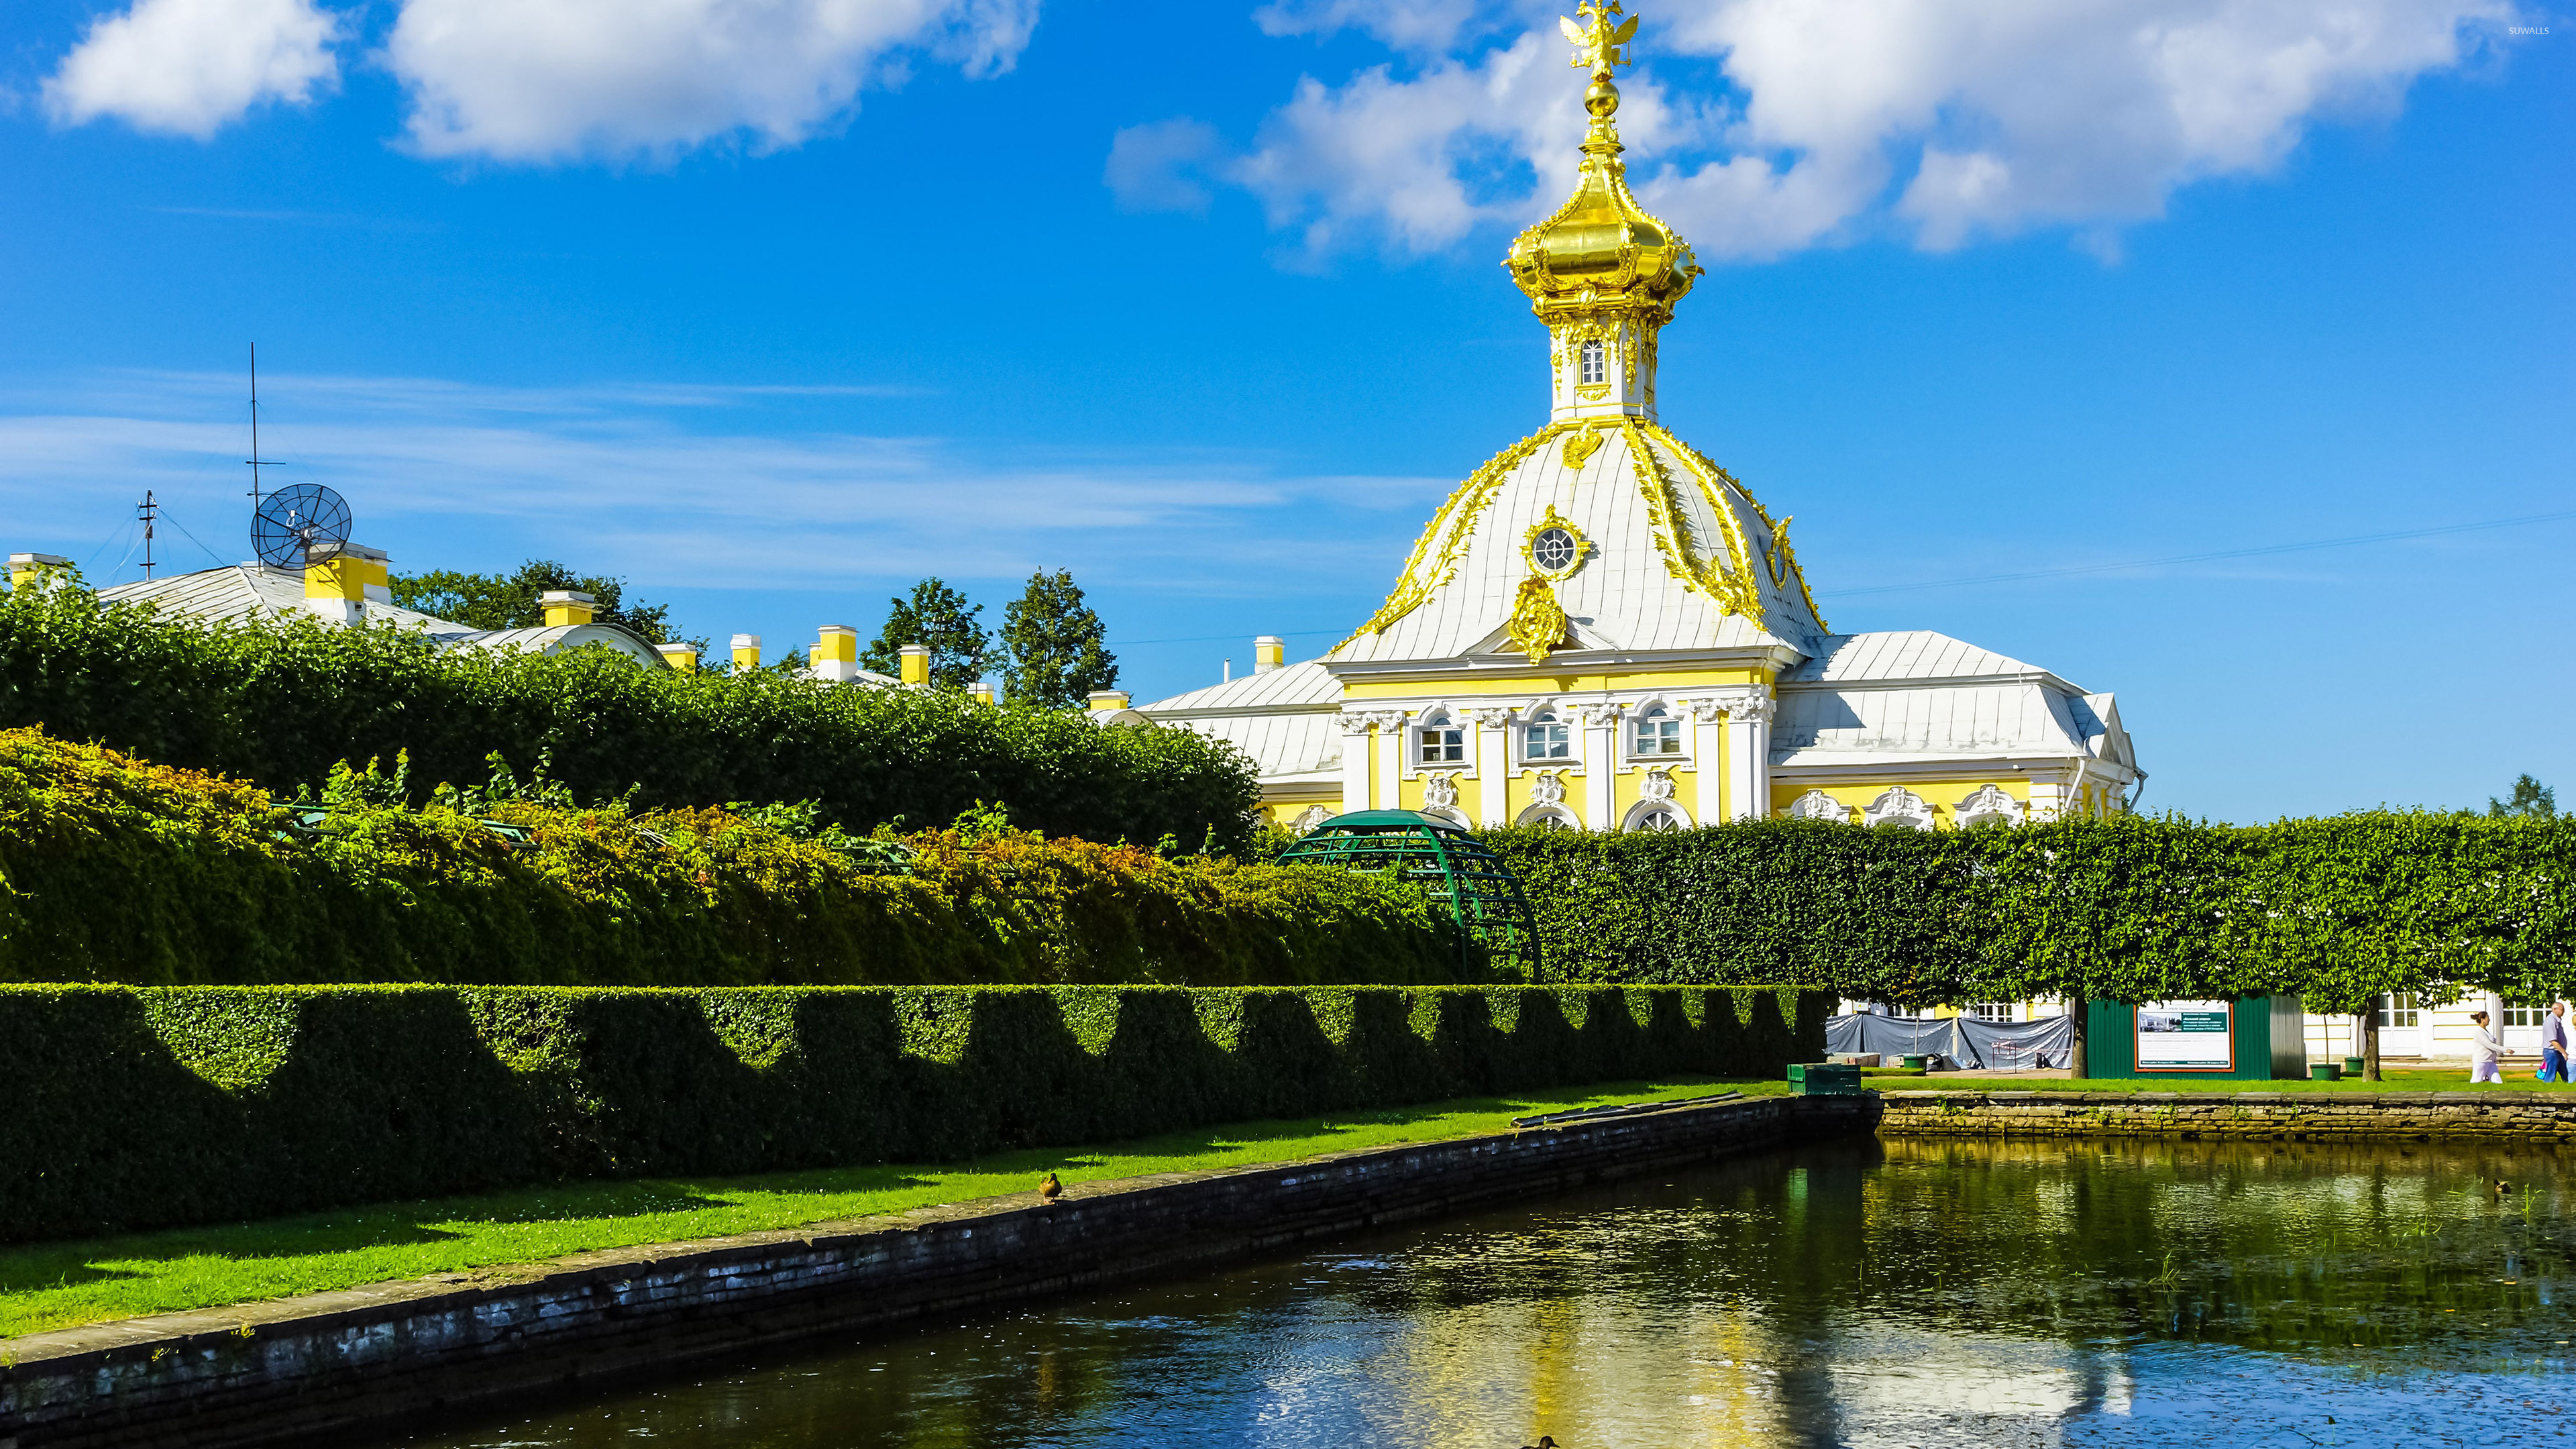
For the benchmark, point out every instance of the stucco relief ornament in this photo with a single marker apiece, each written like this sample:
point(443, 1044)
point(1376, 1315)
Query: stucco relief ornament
point(1598, 716)
point(1751, 706)
point(1817, 805)
point(1358, 722)
point(1548, 790)
point(1492, 719)
point(1989, 802)
point(1658, 785)
point(1706, 711)
point(1440, 792)
point(1899, 806)
point(1538, 622)
point(1309, 818)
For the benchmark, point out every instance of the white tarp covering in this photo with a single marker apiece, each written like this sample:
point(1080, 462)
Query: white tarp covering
point(1994, 1046)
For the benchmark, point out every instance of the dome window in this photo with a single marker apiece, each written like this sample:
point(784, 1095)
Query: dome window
point(1444, 741)
point(1595, 367)
point(1546, 737)
point(1656, 732)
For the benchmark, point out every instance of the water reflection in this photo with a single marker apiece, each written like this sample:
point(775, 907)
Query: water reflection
point(1970, 1293)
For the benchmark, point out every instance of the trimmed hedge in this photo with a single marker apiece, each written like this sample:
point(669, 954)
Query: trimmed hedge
point(2129, 908)
point(116, 870)
point(281, 701)
point(133, 1108)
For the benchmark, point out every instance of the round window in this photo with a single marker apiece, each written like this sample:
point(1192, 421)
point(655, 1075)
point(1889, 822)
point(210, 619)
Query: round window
point(1554, 549)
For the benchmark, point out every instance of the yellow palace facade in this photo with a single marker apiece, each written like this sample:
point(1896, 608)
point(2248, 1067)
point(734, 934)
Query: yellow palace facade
point(1603, 629)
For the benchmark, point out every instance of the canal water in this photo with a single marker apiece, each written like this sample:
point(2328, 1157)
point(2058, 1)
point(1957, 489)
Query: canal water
point(1903, 1293)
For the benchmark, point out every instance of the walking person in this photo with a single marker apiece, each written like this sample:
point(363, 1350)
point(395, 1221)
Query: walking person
point(2483, 1051)
point(2553, 1043)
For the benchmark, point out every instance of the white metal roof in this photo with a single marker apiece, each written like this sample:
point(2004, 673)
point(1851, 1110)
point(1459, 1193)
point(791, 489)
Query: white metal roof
point(1286, 719)
point(1659, 520)
point(1903, 654)
point(249, 591)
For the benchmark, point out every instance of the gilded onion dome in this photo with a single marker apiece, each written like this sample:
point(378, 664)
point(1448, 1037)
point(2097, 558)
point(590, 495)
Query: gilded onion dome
point(1602, 272)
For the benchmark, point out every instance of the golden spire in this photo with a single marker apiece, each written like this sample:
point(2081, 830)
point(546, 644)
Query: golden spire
point(1602, 272)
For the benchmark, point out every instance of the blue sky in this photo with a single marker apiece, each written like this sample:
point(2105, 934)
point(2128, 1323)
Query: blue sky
point(774, 315)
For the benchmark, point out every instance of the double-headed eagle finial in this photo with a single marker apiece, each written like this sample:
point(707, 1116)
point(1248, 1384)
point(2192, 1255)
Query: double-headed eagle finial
point(1598, 36)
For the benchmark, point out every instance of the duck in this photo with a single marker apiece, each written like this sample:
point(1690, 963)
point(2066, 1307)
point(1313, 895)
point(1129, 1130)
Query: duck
point(1050, 1190)
point(1545, 1441)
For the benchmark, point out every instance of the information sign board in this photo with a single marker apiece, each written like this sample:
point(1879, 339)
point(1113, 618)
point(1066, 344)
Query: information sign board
point(2186, 1036)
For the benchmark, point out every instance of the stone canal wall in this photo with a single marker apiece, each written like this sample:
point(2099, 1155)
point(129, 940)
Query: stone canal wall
point(2496, 1116)
point(331, 1362)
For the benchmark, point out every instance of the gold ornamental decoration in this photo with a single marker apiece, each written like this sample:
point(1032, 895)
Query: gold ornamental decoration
point(1537, 626)
point(1553, 546)
point(1580, 445)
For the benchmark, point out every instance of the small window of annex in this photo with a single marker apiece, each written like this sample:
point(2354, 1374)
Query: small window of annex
point(1545, 737)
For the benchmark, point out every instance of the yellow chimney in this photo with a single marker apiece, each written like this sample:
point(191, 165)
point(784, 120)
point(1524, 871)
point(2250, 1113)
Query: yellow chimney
point(26, 569)
point(981, 691)
point(1268, 653)
point(836, 653)
point(339, 588)
point(567, 606)
point(1104, 701)
point(682, 657)
point(916, 665)
point(746, 651)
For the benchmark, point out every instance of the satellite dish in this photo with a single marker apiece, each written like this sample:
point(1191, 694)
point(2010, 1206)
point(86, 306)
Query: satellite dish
point(299, 526)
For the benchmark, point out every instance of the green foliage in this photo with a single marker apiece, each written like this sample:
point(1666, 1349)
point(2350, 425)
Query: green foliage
point(116, 870)
point(1055, 646)
point(282, 702)
point(2531, 800)
point(140, 1108)
point(511, 601)
point(2130, 908)
point(938, 616)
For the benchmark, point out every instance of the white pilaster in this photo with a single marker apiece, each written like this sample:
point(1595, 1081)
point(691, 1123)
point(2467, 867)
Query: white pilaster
point(1493, 766)
point(1600, 765)
point(1390, 759)
point(1719, 799)
point(1355, 762)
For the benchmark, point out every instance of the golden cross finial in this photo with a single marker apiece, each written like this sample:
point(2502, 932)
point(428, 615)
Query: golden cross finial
point(1597, 36)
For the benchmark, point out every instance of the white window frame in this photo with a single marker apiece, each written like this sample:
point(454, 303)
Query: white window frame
point(1995, 1011)
point(1658, 714)
point(1441, 722)
point(1592, 362)
point(2400, 1012)
point(1545, 717)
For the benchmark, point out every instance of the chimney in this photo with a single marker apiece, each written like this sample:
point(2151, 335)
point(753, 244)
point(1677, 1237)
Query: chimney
point(682, 657)
point(1108, 701)
point(916, 666)
point(836, 653)
point(567, 606)
point(746, 651)
point(1268, 653)
point(339, 589)
point(981, 691)
point(27, 569)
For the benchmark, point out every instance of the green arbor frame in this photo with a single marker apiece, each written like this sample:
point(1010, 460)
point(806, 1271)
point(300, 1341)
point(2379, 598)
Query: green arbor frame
point(1483, 894)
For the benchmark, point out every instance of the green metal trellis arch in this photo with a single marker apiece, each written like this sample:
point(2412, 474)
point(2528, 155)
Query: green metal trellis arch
point(1482, 893)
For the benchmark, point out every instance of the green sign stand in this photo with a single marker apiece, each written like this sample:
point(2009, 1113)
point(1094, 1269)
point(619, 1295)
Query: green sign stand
point(2250, 1039)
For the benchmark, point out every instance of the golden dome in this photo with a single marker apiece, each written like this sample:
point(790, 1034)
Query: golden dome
point(1602, 252)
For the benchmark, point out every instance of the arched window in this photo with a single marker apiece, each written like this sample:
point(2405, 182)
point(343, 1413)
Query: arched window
point(1594, 368)
point(1443, 740)
point(1547, 817)
point(1655, 731)
point(1545, 737)
point(1656, 815)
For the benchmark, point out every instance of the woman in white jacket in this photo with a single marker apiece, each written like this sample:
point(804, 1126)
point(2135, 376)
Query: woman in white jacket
point(2483, 1051)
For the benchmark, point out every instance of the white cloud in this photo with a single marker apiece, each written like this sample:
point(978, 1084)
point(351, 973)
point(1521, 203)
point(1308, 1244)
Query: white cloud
point(1944, 120)
point(515, 80)
point(189, 67)
point(674, 484)
point(1161, 166)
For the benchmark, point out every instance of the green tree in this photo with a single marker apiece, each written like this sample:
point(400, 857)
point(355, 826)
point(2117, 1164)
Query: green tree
point(1053, 644)
point(511, 601)
point(2531, 800)
point(940, 617)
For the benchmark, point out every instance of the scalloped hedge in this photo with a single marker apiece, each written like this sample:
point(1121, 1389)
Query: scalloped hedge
point(112, 869)
point(281, 701)
point(132, 1108)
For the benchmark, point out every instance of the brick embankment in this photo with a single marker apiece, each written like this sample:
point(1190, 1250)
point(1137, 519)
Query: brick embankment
point(2536, 1117)
point(329, 1362)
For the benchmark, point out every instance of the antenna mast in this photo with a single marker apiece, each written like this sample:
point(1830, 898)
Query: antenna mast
point(255, 460)
point(145, 512)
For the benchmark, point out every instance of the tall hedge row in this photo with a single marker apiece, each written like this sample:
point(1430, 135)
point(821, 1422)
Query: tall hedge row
point(280, 702)
point(2131, 908)
point(116, 870)
point(132, 1108)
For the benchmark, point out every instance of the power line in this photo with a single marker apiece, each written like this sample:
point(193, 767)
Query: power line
point(2106, 568)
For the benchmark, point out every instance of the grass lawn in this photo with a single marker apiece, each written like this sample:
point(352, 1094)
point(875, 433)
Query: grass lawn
point(57, 1285)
